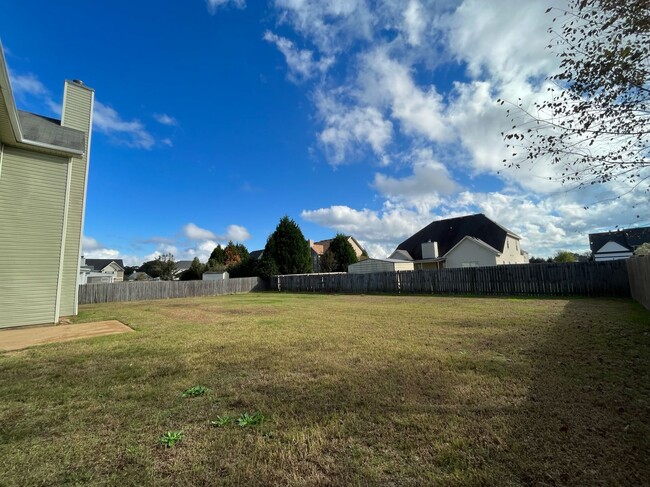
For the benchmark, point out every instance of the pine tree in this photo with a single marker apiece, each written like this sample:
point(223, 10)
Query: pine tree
point(287, 247)
point(343, 253)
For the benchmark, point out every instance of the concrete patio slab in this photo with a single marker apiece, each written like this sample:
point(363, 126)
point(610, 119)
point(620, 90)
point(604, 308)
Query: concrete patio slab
point(19, 338)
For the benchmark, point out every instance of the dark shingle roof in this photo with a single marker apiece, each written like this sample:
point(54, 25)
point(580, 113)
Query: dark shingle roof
point(630, 238)
point(451, 231)
point(256, 254)
point(49, 131)
point(99, 264)
point(183, 265)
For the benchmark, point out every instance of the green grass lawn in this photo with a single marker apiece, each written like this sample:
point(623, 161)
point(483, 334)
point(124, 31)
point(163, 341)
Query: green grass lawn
point(355, 390)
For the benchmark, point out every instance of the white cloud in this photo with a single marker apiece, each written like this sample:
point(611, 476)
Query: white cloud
point(167, 142)
point(165, 119)
point(415, 22)
point(92, 249)
point(214, 5)
point(302, 65)
point(236, 233)
point(346, 128)
point(131, 133)
point(193, 232)
point(388, 82)
point(89, 244)
point(27, 84)
point(331, 25)
point(423, 188)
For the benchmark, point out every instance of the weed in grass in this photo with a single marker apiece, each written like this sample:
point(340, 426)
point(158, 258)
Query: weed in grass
point(221, 421)
point(195, 391)
point(246, 419)
point(170, 438)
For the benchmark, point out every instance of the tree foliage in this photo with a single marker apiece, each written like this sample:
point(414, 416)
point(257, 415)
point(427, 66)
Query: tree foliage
point(165, 266)
point(328, 262)
point(218, 255)
point(564, 256)
point(642, 250)
point(595, 124)
point(342, 252)
point(288, 249)
point(151, 268)
point(195, 272)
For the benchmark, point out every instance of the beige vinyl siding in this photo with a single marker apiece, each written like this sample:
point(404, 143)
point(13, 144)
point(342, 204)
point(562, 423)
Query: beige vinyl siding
point(32, 199)
point(76, 114)
point(469, 253)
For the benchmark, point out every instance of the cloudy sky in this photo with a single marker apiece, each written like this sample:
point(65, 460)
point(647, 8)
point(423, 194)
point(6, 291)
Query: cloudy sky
point(213, 119)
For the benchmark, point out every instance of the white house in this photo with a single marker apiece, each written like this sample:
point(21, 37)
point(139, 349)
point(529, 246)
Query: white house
point(467, 241)
point(617, 245)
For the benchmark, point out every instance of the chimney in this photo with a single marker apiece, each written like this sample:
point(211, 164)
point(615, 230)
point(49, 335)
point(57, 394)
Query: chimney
point(430, 250)
point(77, 113)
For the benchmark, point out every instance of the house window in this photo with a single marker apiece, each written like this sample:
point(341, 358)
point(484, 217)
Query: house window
point(470, 264)
point(507, 243)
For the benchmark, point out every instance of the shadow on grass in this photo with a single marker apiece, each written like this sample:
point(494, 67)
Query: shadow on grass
point(586, 418)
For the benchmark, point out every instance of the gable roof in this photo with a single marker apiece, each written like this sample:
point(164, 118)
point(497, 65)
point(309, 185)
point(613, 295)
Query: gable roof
point(183, 265)
point(630, 238)
point(256, 254)
point(99, 264)
point(451, 231)
point(475, 240)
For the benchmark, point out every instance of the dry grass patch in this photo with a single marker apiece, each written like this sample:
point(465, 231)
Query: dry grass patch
point(356, 390)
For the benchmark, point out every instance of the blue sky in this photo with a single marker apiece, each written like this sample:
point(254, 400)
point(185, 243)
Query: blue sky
point(373, 118)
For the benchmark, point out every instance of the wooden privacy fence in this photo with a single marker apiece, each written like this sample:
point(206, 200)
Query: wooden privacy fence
point(638, 269)
point(572, 279)
point(141, 291)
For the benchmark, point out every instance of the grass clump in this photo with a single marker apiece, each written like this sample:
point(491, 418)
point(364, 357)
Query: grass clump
point(170, 438)
point(195, 391)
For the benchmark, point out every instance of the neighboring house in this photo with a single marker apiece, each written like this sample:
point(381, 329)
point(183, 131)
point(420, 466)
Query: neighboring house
point(369, 266)
point(215, 276)
point(139, 276)
point(43, 180)
point(106, 266)
point(617, 245)
point(319, 248)
point(181, 266)
point(467, 241)
point(257, 254)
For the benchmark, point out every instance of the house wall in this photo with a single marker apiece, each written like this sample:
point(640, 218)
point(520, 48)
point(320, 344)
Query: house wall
point(612, 251)
point(32, 202)
point(116, 270)
point(357, 250)
point(78, 103)
point(511, 252)
point(469, 254)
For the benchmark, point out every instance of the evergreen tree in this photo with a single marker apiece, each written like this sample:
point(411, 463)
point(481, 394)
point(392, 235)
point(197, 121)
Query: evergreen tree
point(287, 247)
point(328, 262)
point(218, 255)
point(342, 252)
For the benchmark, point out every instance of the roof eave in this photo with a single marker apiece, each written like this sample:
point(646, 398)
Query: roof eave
point(7, 95)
